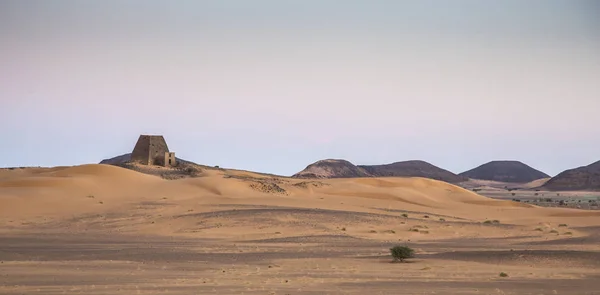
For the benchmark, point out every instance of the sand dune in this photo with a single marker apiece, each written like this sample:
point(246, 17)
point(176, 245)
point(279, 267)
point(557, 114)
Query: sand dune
point(536, 183)
point(252, 220)
point(122, 186)
point(97, 170)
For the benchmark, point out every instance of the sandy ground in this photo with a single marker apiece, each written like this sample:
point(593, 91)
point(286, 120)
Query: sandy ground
point(97, 229)
point(532, 192)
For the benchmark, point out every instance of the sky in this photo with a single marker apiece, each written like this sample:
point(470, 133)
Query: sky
point(272, 86)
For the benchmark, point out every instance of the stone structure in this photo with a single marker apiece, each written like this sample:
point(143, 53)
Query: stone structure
point(153, 150)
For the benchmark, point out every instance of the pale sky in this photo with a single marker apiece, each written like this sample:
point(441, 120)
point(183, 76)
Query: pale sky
point(273, 86)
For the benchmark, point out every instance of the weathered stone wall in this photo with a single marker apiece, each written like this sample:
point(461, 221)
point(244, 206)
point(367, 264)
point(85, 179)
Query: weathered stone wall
point(170, 159)
point(141, 150)
point(150, 150)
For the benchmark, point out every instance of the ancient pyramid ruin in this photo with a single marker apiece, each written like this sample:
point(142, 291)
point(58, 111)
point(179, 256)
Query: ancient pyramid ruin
point(153, 150)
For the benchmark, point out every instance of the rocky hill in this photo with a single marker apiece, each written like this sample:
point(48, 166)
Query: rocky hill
point(582, 178)
point(332, 168)
point(183, 169)
point(413, 169)
point(505, 171)
point(335, 168)
point(118, 160)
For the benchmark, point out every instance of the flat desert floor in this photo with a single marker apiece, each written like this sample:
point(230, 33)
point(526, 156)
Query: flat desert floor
point(97, 229)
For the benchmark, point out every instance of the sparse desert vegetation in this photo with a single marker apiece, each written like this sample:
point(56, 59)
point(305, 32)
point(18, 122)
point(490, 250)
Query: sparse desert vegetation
point(219, 230)
point(401, 253)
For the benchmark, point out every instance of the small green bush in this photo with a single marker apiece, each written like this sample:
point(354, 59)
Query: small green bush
point(400, 253)
point(487, 222)
point(503, 274)
point(568, 233)
point(562, 225)
point(405, 215)
point(553, 231)
point(442, 219)
point(495, 221)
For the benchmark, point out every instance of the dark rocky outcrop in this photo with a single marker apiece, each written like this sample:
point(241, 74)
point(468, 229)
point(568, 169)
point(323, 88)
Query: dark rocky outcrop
point(335, 168)
point(413, 169)
point(505, 171)
point(582, 178)
point(117, 160)
point(332, 168)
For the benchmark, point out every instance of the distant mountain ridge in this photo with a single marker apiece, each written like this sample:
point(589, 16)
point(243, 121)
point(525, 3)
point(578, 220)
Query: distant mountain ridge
point(414, 168)
point(581, 178)
point(337, 168)
point(505, 171)
point(332, 168)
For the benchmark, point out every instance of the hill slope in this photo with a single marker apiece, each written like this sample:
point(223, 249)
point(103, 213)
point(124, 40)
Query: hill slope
point(335, 168)
point(413, 169)
point(505, 171)
point(183, 169)
point(118, 160)
point(582, 178)
point(332, 168)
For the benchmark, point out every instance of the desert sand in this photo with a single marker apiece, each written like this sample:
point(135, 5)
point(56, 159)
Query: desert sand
point(100, 229)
